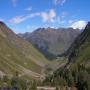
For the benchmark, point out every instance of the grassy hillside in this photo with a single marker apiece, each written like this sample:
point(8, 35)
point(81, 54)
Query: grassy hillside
point(84, 55)
point(79, 52)
point(17, 54)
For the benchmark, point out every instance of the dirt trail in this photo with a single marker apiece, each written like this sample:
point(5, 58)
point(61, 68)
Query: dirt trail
point(46, 88)
point(29, 73)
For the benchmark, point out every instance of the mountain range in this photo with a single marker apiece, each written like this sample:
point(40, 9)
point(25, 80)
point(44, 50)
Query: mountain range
point(51, 42)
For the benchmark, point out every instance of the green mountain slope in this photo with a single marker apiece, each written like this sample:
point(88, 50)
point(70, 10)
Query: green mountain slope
point(17, 54)
point(79, 52)
point(76, 73)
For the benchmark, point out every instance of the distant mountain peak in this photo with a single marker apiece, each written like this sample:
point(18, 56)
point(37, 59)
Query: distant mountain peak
point(88, 25)
point(51, 41)
point(5, 30)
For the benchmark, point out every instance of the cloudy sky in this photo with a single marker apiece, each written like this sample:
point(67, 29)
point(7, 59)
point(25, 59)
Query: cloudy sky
point(27, 15)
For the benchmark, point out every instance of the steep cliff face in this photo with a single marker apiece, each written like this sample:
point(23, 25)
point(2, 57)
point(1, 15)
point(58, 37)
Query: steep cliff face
point(80, 49)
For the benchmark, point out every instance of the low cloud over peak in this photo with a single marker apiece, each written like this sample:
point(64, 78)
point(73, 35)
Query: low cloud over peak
point(79, 24)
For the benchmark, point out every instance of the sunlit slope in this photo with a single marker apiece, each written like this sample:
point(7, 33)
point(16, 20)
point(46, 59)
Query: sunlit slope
point(18, 54)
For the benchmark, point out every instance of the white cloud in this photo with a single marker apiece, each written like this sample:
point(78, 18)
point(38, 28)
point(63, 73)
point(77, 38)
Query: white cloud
point(46, 17)
point(14, 2)
point(29, 9)
point(79, 24)
point(19, 19)
point(49, 16)
point(61, 2)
